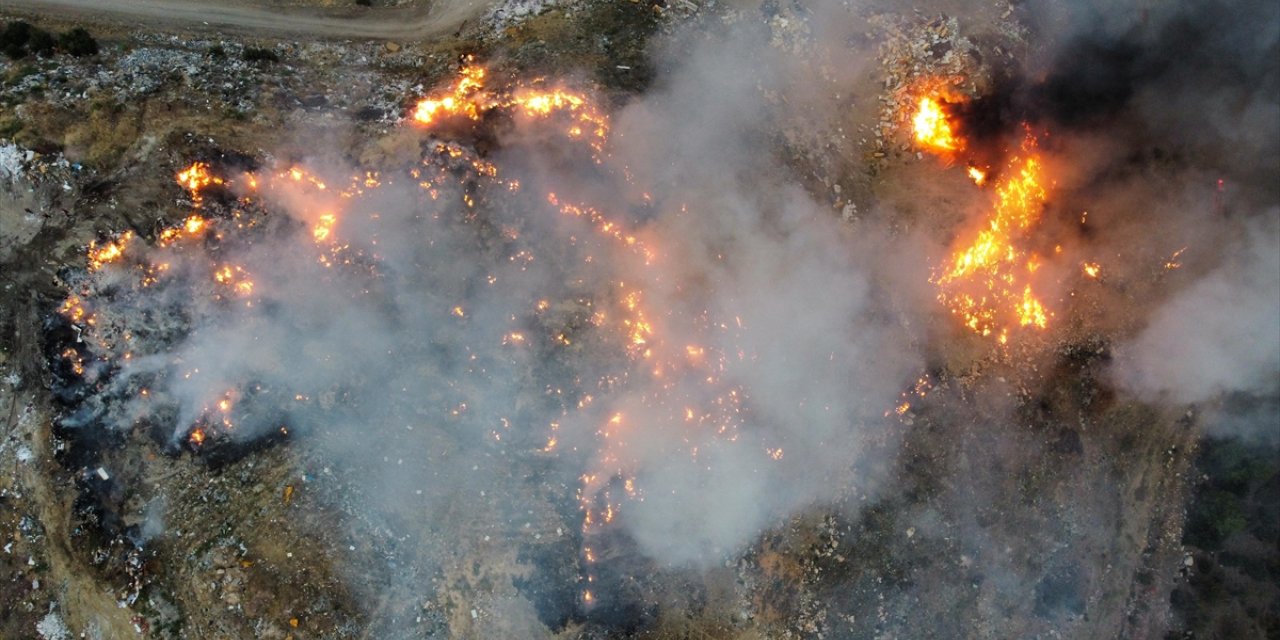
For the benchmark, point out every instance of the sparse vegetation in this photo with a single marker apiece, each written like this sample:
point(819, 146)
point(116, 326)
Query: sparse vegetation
point(78, 43)
point(108, 131)
point(20, 39)
point(15, 39)
point(40, 43)
point(1235, 473)
point(258, 54)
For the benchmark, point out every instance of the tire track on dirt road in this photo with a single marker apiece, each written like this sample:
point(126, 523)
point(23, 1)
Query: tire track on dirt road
point(355, 23)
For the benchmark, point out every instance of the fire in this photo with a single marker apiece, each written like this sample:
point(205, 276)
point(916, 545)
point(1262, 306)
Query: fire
point(191, 227)
point(469, 98)
point(107, 252)
point(978, 176)
point(585, 119)
point(985, 280)
point(77, 362)
point(933, 130)
point(193, 224)
point(324, 227)
point(626, 316)
point(1030, 311)
point(1092, 269)
point(465, 98)
point(195, 178)
point(73, 309)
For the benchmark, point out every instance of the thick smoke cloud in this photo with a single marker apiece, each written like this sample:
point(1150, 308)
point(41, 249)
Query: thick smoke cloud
point(385, 341)
point(817, 361)
point(1220, 333)
point(1176, 108)
point(440, 338)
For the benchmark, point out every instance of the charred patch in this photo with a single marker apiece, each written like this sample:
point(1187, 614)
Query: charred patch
point(623, 596)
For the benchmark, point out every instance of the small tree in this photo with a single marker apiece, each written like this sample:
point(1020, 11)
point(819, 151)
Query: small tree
point(78, 42)
point(256, 54)
point(13, 40)
point(40, 43)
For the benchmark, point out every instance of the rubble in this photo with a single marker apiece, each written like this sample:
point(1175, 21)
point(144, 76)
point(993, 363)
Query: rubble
point(250, 545)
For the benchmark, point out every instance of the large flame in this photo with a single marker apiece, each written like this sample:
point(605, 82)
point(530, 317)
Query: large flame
point(987, 280)
point(465, 98)
point(470, 98)
point(933, 129)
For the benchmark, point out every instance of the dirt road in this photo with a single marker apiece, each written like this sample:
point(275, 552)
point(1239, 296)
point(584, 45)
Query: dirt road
point(443, 16)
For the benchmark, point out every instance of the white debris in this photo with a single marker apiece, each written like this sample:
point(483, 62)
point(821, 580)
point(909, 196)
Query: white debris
point(51, 627)
point(25, 454)
point(102, 473)
point(512, 12)
point(11, 159)
point(848, 212)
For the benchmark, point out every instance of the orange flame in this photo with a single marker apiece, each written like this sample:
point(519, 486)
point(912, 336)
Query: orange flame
point(978, 176)
point(932, 128)
point(109, 251)
point(197, 177)
point(984, 282)
point(324, 227)
point(464, 99)
point(468, 98)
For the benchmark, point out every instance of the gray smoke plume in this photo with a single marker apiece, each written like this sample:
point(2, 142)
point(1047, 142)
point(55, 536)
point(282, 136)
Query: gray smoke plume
point(1221, 333)
point(454, 343)
point(388, 340)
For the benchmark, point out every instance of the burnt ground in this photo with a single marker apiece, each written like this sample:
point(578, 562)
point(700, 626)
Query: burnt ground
point(1061, 510)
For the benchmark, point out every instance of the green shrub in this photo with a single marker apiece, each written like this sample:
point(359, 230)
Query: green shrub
point(257, 54)
point(1214, 517)
point(41, 43)
point(19, 39)
point(78, 43)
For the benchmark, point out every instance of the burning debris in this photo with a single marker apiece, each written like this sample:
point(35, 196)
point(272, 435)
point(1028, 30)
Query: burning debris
point(220, 376)
point(569, 362)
